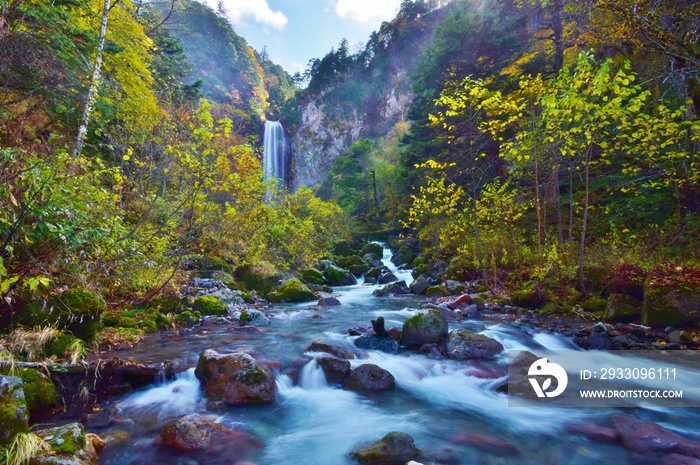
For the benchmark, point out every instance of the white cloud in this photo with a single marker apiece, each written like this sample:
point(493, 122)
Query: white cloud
point(364, 11)
point(257, 10)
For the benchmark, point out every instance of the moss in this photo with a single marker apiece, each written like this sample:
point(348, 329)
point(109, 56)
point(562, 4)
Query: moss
point(39, 391)
point(262, 278)
point(312, 276)
point(550, 308)
point(210, 305)
point(335, 276)
point(292, 290)
point(672, 296)
point(526, 299)
point(112, 319)
point(373, 248)
point(594, 304)
point(67, 439)
point(212, 262)
point(187, 318)
point(436, 291)
point(60, 345)
point(13, 409)
point(167, 304)
point(479, 301)
point(622, 308)
point(224, 278)
point(481, 288)
point(81, 312)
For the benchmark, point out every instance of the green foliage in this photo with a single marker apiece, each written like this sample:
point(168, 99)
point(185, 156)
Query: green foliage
point(209, 305)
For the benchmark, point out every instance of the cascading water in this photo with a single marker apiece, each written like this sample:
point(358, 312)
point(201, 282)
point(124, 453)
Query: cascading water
point(275, 152)
point(315, 423)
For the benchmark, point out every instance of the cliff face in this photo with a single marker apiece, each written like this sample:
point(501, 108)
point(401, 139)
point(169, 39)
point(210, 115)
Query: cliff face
point(363, 102)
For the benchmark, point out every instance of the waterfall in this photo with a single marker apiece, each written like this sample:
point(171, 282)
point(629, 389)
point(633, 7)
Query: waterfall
point(275, 149)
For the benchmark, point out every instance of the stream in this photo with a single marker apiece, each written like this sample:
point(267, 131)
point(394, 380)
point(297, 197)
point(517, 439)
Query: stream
point(312, 423)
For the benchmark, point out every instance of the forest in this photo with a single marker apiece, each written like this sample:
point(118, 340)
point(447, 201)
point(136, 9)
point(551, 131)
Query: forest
point(538, 155)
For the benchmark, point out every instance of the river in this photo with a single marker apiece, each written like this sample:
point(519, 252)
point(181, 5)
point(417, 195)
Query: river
point(312, 423)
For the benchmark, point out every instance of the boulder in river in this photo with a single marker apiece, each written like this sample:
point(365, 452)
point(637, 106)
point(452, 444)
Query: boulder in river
point(336, 369)
point(292, 290)
point(335, 276)
point(425, 327)
point(374, 342)
point(337, 351)
point(394, 448)
point(252, 317)
point(462, 344)
point(328, 302)
point(369, 377)
point(236, 378)
point(485, 443)
point(419, 285)
point(646, 437)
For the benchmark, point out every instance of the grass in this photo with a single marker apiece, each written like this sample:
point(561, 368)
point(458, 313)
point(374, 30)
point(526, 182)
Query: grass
point(22, 448)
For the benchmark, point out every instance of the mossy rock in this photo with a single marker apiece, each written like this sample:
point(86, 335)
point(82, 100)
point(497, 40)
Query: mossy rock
point(372, 247)
point(672, 296)
point(461, 269)
point(527, 299)
point(550, 308)
point(78, 311)
point(595, 278)
point(454, 287)
point(394, 242)
point(436, 291)
point(14, 415)
point(224, 278)
point(394, 448)
point(312, 276)
point(594, 304)
point(188, 318)
point(214, 263)
point(425, 327)
point(404, 256)
point(112, 319)
point(210, 305)
point(335, 276)
point(627, 279)
point(39, 391)
point(421, 269)
point(292, 290)
point(60, 345)
point(343, 249)
point(480, 302)
point(262, 278)
point(65, 440)
point(622, 308)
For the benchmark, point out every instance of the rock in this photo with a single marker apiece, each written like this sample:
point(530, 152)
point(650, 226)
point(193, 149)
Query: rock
point(69, 446)
point(674, 337)
point(375, 261)
point(237, 378)
point(394, 448)
point(191, 432)
point(449, 314)
point(337, 351)
point(433, 351)
point(312, 276)
point(387, 277)
point(454, 287)
point(436, 291)
point(469, 311)
point(419, 285)
point(622, 308)
point(14, 415)
point(357, 265)
point(378, 327)
point(646, 437)
point(527, 299)
point(78, 311)
point(373, 248)
point(595, 433)
point(39, 391)
point(462, 344)
point(369, 377)
point(335, 276)
point(116, 437)
point(423, 328)
point(461, 301)
point(395, 288)
point(677, 459)
point(252, 317)
point(336, 370)
point(485, 443)
point(328, 302)
point(360, 331)
point(374, 342)
point(262, 279)
point(404, 256)
point(594, 341)
point(672, 297)
point(292, 290)
point(209, 305)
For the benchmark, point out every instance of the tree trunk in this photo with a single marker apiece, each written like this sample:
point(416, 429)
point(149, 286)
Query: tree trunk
point(571, 207)
point(582, 249)
point(539, 214)
point(477, 237)
point(94, 83)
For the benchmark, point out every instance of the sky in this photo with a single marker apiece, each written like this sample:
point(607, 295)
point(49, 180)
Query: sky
point(296, 31)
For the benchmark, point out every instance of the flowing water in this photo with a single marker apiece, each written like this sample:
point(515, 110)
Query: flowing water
point(312, 423)
point(275, 151)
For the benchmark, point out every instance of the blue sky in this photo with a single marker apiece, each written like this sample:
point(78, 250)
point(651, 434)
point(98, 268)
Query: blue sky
point(296, 31)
